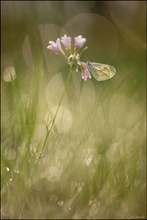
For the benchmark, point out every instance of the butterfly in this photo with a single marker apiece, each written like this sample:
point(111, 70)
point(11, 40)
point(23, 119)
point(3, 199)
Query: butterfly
point(101, 72)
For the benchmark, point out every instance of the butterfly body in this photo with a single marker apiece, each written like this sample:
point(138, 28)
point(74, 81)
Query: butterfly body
point(101, 72)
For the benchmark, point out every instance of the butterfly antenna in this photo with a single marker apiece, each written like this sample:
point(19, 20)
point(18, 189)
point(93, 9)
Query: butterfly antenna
point(83, 50)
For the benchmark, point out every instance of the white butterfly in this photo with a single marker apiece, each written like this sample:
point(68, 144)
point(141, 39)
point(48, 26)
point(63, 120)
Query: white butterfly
point(101, 71)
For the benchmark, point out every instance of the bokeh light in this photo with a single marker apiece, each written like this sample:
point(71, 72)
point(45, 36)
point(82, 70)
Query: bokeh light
point(90, 161)
point(97, 30)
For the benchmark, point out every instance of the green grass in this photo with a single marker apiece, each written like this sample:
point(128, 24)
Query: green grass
point(96, 169)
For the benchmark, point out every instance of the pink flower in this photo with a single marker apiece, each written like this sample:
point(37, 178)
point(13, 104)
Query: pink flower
point(56, 47)
point(79, 41)
point(84, 71)
point(66, 41)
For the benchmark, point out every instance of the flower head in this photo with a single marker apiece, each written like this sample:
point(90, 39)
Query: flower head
point(79, 41)
point(74, 57)
point(70, 59)
point(84, 71)
point(66, 41)
point(56, 46)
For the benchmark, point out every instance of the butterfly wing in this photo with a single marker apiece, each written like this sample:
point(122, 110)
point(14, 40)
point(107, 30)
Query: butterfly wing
point(101, 72)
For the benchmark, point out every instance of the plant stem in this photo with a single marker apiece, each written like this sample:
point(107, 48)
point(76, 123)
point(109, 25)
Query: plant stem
point(53, 121)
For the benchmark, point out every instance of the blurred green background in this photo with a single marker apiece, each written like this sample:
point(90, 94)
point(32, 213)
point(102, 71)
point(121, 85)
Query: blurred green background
point(94, 165)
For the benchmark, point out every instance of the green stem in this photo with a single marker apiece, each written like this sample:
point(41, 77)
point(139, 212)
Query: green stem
point(53, 121)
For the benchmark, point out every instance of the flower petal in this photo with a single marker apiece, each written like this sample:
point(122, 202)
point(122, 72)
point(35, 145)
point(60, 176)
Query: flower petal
point(55, 46)
point(84, 71)
point(66, 41)
point(79, 41)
